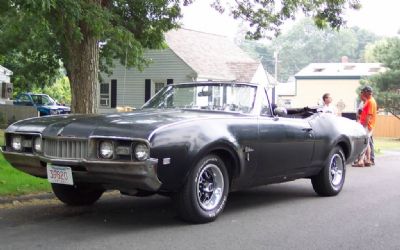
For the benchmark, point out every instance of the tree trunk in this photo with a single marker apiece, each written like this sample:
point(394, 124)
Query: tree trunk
point(82, 70)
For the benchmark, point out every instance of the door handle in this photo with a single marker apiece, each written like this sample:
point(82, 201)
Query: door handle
point(307, 129)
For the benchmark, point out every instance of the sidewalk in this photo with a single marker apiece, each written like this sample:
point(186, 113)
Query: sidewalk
point(16, 200)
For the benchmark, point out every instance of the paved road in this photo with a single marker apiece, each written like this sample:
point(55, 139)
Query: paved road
point(366, 215)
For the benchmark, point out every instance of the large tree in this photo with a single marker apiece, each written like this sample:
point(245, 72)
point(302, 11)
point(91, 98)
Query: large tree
point(80, 32)
point(387, 84)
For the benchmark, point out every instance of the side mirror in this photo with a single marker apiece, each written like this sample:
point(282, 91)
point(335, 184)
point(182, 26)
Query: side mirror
point(280, 111)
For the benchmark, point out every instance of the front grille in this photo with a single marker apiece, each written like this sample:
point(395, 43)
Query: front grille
point(65, 148)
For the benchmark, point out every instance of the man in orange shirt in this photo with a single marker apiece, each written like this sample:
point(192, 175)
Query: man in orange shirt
point(368, 120)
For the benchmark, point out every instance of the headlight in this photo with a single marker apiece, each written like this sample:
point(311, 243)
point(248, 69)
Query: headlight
point(141, 152)
point(37, 144)
point(106, 149)
point(16, 143)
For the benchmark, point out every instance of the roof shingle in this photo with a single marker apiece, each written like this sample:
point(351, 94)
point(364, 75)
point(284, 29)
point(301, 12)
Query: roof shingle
point(211, 56)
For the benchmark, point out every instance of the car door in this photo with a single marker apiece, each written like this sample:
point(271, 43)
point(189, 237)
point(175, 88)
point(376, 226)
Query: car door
point(272, 148)
point(300, 142)
point(285, 146)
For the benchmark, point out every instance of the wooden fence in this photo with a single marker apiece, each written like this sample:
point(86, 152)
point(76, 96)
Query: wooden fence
point(387, 126)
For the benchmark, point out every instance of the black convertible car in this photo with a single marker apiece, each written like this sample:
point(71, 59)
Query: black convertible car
point(195, 142)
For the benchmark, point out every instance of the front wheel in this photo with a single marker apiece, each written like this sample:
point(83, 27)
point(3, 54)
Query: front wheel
point(204, 195)
point(78, 194)
point(330, 180)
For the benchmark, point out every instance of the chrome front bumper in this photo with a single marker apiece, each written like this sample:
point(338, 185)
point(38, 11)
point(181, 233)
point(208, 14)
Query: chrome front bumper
point(115, 174)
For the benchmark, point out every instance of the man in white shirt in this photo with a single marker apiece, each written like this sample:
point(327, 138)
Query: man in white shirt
point(327, 107)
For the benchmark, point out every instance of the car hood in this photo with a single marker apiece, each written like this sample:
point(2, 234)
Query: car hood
point(138, 124)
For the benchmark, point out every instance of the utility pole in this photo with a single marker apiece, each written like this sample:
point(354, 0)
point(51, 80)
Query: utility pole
point(276, 75)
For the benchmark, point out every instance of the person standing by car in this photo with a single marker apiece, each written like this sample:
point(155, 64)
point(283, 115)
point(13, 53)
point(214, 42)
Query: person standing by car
point(368, 120)
point(327, 107)
point(371, 141)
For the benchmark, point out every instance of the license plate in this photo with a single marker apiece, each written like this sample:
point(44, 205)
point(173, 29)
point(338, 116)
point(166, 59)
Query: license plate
point(59, 174)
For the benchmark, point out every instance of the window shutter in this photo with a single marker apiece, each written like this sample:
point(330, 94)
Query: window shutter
point(113, 93)
point(147, 89)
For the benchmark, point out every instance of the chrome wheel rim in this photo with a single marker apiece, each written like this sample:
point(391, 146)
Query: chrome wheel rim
point(336, 169)
point(210, 187)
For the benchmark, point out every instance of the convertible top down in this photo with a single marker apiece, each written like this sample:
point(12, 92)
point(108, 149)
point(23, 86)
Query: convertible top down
point(194, 142)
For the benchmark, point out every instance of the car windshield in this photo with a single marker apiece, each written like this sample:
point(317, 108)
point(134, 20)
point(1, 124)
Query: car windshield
point(217, 97)
point(42, 100)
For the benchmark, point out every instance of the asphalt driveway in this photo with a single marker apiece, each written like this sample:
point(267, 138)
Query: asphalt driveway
point(283, 216)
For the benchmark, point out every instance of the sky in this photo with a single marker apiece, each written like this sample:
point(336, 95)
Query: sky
point(381, 17)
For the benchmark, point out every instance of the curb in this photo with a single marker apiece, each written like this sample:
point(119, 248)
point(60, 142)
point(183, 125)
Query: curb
point(27, 197)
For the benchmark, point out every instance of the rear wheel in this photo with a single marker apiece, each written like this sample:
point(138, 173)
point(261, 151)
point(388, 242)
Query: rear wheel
point(204, 195)
point(330, 180)
point(78, 194)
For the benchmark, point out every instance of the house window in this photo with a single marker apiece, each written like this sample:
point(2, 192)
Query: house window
point(157, 86)
point(104, 94)
point(153, 86)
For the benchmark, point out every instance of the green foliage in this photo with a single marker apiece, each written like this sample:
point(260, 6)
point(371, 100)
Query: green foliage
point(27, 48)
point(388, 52)
point(266, 16)
point(135, 26)
point(387, 84)
point(35, 36)
point(60, 90)
point(305, 43)
point(386, 90)
point(40, 34)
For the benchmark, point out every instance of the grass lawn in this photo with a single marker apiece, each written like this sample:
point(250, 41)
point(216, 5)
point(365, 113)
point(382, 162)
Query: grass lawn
point(15, 182)
point(382, 144)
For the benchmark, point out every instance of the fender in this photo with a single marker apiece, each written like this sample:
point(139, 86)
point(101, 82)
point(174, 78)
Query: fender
point(184, 144)
point(233, 149)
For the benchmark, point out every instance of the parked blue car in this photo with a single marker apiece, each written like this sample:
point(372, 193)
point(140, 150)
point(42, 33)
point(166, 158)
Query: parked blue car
point(44, 104)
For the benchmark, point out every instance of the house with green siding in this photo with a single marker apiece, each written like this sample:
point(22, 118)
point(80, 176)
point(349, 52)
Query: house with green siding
point(190, 56)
